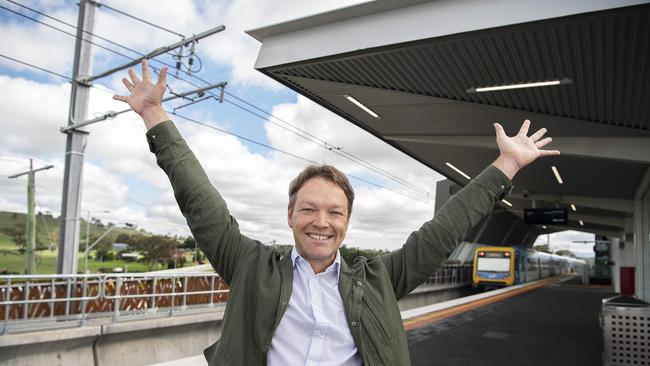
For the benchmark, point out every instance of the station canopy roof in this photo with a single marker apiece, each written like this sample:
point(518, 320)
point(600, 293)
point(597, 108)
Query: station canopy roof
point(417, 65)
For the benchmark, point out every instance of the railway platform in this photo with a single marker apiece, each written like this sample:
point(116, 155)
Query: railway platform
point(553, 323)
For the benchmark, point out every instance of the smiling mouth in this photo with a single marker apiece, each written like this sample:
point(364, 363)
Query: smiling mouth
point(319, 237)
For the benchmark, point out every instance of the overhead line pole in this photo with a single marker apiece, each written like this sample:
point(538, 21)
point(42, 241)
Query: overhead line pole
point(76, 139)
point(75, 146)
point(30, 230)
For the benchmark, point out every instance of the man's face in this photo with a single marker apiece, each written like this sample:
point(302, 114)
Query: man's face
point(319, 220)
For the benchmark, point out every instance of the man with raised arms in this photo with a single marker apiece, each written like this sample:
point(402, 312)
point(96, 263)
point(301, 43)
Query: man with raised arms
point(308, 306)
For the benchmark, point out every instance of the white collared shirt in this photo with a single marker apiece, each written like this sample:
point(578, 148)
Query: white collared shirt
point(314, 329)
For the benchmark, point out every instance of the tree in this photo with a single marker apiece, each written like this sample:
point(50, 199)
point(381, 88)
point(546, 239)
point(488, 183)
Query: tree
point(103, 249)
point(349, 254)
point(123, 238)
point(18, 236)
point(542, 248)
point(188, 243)
point(156, 249)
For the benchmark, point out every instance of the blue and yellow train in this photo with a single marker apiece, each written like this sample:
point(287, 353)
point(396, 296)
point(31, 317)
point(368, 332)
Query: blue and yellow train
point(507, 266)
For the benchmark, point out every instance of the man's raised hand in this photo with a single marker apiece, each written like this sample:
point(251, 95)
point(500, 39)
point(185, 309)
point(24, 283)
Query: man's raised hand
point(146, 97)
point(520, 150)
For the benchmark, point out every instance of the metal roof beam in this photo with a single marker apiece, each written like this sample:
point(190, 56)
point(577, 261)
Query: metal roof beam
point(622, 148)
point(612, 204)
point(381, 23)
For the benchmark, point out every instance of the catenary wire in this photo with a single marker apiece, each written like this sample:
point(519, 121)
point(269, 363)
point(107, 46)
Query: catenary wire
point(102, 5)
point(36, 67)
point(310, 137)
point(189, 119)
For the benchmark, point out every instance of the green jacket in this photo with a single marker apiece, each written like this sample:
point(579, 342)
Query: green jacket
point(260, 277)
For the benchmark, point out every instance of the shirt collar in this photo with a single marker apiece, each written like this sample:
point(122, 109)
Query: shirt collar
point(335, 267)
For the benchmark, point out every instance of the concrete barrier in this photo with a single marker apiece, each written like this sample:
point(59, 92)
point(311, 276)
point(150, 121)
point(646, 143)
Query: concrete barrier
point(102, 342)
point(131, 343)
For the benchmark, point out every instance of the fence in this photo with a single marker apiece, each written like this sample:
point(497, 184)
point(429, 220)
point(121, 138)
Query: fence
point(44, 301)
point(449, 276)
point(35, 302)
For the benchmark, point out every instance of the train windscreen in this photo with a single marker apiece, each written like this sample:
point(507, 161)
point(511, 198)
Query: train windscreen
point(493, 262)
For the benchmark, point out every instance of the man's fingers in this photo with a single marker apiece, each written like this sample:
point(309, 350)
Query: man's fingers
point(544, 142)
point(146, 76)
point(162, 77)
point(538, 135)
point(128, 84)
point(134, 78)
point(549, 152)
point(121, 98)
point(499, 130)
point(524, 128)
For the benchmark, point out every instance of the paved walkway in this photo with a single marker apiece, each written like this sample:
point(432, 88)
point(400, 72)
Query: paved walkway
point(553, 325)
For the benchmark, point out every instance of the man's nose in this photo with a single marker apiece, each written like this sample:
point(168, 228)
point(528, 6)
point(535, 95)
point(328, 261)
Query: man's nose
point(321, 219)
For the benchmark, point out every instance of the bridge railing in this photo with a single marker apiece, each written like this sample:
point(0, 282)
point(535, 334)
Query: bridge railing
point(43, 301)
point(35, 302)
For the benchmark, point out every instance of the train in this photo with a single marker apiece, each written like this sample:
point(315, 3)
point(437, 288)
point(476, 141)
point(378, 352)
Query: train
point(507, 266)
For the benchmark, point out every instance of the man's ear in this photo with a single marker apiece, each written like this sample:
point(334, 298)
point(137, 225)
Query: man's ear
point(289, 214)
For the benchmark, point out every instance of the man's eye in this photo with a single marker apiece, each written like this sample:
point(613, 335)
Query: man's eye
point(307, 210)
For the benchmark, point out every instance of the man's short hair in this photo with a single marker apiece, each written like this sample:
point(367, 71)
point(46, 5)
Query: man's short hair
point(326, 172)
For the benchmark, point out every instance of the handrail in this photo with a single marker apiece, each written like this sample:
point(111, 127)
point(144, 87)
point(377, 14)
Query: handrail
point(50, 301)
point(46, 301)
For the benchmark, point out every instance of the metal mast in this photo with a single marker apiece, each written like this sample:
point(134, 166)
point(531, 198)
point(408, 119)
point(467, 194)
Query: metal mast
point(75, 145)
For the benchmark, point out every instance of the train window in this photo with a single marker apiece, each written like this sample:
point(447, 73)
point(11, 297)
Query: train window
point(493, 264)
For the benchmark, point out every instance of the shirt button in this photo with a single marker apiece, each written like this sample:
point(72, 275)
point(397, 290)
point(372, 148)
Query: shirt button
point(359, 283)
point(354, 324)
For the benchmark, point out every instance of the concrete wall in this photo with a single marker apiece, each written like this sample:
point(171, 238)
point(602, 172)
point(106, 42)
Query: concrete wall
point(143, 342)
point(130, 343)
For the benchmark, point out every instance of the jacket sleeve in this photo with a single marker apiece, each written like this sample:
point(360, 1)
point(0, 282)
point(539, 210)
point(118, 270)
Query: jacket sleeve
point(426, 248)
point(216, 232)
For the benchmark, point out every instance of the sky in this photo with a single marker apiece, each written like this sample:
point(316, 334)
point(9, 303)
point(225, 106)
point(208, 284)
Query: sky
point(120, 174)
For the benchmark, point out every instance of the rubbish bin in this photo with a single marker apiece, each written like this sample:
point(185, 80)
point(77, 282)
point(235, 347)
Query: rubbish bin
point(625, 322)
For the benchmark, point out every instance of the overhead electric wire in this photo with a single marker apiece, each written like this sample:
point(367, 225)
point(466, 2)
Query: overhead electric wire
point(52, 72)
point(303, 134)
point(102, 5)
point(189, 119)
point(36, 67)
point(63, 31)
point(74, 27)
point(339, 152)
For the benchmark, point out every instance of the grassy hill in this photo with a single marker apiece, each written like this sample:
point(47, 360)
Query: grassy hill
point(47, 233)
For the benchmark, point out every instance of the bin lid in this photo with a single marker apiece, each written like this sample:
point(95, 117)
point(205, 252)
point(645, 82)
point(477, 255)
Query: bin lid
point(627, 301)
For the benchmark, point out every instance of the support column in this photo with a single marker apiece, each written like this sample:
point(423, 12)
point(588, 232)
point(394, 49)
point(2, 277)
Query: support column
point(642, 238)
point(31, 221)
point(75, 146)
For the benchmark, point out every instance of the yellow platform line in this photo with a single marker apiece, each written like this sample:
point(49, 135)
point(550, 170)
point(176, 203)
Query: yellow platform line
point(442, 314)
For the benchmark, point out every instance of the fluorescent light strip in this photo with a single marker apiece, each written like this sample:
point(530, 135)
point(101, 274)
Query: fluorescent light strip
point(582, 223)
point(573, 207)
point(519, 86)
point(557, 174)
point(507, 203)
point(457, 170)
point(360, 105)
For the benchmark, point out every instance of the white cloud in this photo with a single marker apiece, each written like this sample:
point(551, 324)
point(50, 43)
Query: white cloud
point(119, 165)
point(566, 240)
